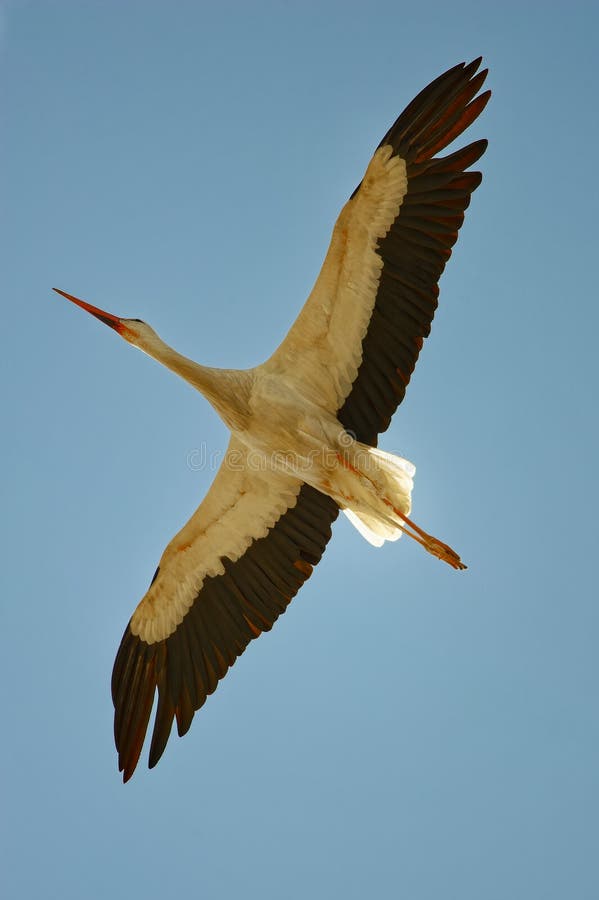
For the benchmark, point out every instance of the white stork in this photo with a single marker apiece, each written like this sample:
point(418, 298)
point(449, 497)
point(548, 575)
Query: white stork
point(304, 424)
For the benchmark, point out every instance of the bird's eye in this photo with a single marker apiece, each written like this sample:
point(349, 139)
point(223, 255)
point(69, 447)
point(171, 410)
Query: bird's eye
point(138, 320)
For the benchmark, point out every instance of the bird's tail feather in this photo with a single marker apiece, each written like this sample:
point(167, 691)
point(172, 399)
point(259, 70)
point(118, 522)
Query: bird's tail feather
point(393, 478)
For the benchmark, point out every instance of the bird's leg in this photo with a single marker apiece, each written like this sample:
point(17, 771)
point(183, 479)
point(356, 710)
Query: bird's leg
point(432, 544)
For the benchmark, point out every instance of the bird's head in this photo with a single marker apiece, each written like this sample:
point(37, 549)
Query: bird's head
point(132, 330)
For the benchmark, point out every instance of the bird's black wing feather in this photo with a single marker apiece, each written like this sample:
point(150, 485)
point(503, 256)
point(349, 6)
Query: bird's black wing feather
point(416, 248)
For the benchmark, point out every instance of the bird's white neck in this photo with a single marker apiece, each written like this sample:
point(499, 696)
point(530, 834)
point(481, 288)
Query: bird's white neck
point(226, 389)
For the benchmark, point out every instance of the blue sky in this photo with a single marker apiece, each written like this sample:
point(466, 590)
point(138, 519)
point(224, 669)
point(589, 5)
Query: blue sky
point(405, 730)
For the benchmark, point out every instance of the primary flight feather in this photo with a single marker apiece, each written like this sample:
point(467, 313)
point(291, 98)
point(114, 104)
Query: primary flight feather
point(304, 424)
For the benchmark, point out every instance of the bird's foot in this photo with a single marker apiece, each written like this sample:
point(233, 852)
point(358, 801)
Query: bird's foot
point(442, 551)
point(431, 544)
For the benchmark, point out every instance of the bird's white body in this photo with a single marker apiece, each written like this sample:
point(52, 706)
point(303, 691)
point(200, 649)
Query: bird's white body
point(280, 439)
point(305, 424)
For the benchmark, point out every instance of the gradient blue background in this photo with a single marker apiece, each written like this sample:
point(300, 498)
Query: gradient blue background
point(406, 730)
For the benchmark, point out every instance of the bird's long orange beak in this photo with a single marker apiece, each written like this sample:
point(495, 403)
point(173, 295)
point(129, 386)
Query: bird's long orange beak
point(106, 317)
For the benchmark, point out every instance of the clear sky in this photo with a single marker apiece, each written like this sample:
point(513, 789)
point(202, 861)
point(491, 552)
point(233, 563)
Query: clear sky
point(405, 730)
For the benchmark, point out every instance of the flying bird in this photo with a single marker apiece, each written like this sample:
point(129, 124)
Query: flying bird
point(304, 424)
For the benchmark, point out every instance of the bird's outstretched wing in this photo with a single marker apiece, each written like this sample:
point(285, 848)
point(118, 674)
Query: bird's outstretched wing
point(356, 341)
point(222, 581)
